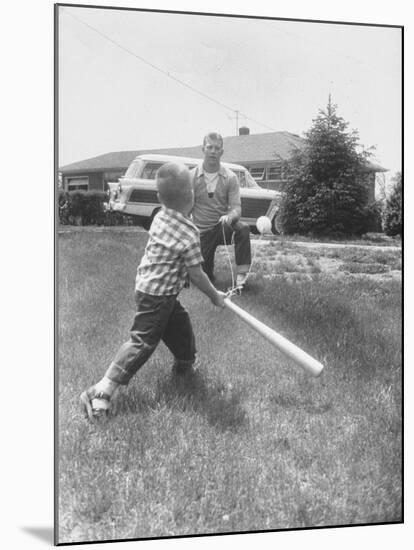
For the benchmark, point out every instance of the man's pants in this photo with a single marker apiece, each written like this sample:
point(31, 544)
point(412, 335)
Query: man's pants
point(214, 237)
point(157, 318)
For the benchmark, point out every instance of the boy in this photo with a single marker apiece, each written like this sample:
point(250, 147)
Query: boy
point(172, 255)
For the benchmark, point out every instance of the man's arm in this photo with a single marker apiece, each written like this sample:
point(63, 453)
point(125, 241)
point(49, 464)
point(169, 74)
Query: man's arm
point(231, 217)
point(234, 202)
point(202, 282)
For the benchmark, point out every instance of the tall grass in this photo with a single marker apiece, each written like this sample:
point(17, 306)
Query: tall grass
point(252, 442)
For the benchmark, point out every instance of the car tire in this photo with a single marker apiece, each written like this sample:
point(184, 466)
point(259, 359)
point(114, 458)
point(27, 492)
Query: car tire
point(146, 224)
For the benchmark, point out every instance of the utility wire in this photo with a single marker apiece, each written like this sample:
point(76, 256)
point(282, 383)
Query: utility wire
point(166, 73)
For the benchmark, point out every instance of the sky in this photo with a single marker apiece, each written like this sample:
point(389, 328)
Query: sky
point(132, 80)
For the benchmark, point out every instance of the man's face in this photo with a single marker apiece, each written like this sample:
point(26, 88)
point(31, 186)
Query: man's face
point(213, 150)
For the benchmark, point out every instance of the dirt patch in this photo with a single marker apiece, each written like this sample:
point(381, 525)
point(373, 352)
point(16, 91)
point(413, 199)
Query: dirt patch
point(304, 261)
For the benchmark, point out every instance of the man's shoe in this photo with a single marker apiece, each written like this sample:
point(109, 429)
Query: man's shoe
point(241, 282)
point(95, 405)
point(184, 368)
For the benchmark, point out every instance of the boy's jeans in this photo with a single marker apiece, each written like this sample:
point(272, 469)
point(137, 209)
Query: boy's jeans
point(213, 237)
point(157, 318)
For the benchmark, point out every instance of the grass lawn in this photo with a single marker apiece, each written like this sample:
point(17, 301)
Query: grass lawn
point(253, 442)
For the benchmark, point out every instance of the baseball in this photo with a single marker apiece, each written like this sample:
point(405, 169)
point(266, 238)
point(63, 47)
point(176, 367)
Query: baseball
point(264, 225)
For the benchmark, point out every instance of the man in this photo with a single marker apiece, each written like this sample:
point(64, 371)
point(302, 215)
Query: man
point(217, 209)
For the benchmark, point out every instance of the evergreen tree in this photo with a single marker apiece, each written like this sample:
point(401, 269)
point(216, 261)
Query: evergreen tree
point(393, 209)
point(326, 192)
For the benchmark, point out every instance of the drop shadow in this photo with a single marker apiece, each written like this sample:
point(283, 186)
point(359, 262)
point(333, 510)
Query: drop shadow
point(42, 533)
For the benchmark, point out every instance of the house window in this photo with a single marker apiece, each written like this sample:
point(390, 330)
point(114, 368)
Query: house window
point(257, 172)
point(78, 184)
point(274, 172)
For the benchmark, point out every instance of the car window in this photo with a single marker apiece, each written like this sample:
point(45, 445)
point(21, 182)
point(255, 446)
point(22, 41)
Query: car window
point(134, 169)
point(246, 180)
point(150, 170)
point(241, 177)
point(250, 182)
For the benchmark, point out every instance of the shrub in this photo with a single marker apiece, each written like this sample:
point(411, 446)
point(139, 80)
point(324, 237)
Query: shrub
point(392, 220)
point(93, 213)
point(372, 222)
point(83, 206)
point(363, 268)
point(63, 205)
point(326, 192)
point(87, 208)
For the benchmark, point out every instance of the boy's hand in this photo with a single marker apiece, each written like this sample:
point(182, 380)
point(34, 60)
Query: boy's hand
point(218, 300)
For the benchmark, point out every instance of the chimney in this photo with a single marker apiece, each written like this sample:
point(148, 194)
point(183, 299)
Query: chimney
point(244, 131)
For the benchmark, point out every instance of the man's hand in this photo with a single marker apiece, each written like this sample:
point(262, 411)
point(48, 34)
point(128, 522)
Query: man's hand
point(218, 300)
point(231, 217)
point(227, 219)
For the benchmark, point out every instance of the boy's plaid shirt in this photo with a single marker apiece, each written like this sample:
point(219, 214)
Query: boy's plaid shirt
point(173, 245)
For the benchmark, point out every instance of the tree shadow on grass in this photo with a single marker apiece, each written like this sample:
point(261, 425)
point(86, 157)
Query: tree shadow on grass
point(219, 404)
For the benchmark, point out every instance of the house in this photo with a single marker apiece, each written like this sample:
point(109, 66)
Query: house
point(262, 154)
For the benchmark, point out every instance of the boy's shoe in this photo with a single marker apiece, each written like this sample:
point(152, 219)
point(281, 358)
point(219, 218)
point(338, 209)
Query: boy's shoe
point(95, 404)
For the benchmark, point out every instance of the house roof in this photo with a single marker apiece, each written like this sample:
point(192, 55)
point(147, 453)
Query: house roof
point(246, 148)
point(240, 149)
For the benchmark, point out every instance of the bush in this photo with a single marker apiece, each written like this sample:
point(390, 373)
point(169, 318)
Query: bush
point(392, 220)
point(372, 222)
point(112, 218)
point(363, 268)
point(87, 208)
point(83, 207)
point(63, 204)
point(326, 192)
point(93, 209)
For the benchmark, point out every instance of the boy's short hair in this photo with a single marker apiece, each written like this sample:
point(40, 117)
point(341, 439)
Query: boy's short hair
point(174, 185)
point(213, 136)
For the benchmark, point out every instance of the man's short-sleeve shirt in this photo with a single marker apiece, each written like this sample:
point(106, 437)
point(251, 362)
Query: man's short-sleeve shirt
point(207, 209)
point(172, 247)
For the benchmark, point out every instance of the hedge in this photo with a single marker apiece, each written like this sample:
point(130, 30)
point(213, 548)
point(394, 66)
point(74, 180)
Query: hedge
point(87, 208)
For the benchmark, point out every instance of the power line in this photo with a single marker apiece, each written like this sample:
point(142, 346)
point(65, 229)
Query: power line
point(166, 73)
